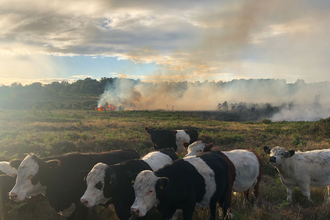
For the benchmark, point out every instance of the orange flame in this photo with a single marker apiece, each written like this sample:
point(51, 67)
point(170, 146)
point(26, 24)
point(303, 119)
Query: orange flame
point(109, 108)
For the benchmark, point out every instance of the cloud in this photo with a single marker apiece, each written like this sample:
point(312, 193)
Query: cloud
point(182, 38)
point(81, 76)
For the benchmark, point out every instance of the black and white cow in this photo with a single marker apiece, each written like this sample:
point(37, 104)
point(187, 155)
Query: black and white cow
point(302, 169)
point(57, 178)
point(202, 180)
point(5, 168)
point(248, 166)
point(113, 184)
point(162, 138)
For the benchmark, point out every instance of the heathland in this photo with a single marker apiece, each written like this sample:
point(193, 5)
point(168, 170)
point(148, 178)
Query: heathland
point(53, 132)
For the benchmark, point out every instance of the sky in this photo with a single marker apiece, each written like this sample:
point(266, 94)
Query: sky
point(171, 40)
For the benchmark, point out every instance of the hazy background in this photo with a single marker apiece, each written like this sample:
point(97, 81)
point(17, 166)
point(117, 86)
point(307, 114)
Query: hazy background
point(178, 53)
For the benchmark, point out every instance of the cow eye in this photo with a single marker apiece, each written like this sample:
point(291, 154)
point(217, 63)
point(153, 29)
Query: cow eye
point(150, 191)
point(98, 185)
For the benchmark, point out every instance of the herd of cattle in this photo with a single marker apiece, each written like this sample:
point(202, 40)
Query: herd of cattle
point(76, 182)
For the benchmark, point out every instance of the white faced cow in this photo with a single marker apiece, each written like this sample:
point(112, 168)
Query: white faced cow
point(113, 184)
point(58, 178)
point(203, 180)
point(302, 169)
point(25, 187)
point(247, 164)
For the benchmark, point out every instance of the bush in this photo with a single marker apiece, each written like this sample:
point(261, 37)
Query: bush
point(321, 127)
point(266, 121)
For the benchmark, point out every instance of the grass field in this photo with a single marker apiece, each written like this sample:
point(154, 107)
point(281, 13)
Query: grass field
point(57, 132)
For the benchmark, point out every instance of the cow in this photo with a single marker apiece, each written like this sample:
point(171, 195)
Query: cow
point(162, 138)
point(202, 180)
point(57, 177)
point(302, 169)
point(248, 166)
point(113, 184)
point(5, 168)
point(6, 184)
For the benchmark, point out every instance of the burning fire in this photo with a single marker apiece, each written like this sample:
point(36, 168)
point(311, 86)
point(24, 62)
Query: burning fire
point(109, 108)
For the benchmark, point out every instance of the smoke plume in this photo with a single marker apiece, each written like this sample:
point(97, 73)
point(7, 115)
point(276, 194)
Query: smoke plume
point(271, 98)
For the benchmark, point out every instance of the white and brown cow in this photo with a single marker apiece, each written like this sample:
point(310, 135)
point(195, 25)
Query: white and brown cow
point(163, 138)
point(203, 180)
point(247, 165)
point(302, 169)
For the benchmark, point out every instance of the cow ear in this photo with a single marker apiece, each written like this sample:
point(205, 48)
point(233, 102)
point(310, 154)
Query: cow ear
point(15, 163)
point(131, 176)
point(162, 183)
point(82, 174)
point(185, 145)
point(146, 129)
point(267, 149)
point(208, 147)
point(290, 153)
point(53, 163)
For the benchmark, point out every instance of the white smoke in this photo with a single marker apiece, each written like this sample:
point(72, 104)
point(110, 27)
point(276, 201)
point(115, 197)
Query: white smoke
point(121, 93)
point(311, 101)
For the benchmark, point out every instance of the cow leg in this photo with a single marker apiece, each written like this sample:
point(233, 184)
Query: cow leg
point(306, 191)
point(188, 211)
point(327, 195)
point(289, 193)
point(256, 194)
point(245, 197)
point(213, 208)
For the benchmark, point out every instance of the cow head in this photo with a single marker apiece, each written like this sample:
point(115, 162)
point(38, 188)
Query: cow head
point(29, 174)
point(145, 186)
point(95, 186)
point(278, 155)
point(196, 148)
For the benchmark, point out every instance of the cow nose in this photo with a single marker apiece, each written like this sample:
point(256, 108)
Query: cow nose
point(84, 202)
point(272, 159)
point(13, 196)
point(135, 212)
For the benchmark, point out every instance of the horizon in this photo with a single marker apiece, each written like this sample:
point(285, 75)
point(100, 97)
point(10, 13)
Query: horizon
point(51, 80)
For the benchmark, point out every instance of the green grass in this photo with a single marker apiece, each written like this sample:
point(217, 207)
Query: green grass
point(57, 132)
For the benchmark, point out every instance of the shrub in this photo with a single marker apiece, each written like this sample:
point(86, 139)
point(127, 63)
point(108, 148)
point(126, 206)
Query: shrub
point(266, 121)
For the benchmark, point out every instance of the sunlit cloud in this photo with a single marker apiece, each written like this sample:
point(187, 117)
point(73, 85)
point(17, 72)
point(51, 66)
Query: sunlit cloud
point(81, 76)
point(182, 39)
